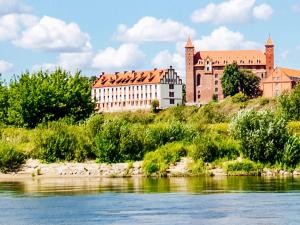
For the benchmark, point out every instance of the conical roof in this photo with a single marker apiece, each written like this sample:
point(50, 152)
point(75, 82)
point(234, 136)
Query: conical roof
point(189, 43)
point(269, 42)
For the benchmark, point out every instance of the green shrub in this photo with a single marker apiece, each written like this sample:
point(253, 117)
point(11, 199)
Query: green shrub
point(294, 127)
point(209, 147)
point(291, 153)
point(157, 162)
point(60, 142)
point(107, 142)
point(94, 124)
point(239, 98)
point(263, 101)
point(10, 158)
point(289, 104)
point(197, 167)
point(262, 135)
point(245, 167)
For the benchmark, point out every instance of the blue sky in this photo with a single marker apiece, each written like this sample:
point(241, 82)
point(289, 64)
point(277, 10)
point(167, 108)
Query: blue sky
point(117, 35)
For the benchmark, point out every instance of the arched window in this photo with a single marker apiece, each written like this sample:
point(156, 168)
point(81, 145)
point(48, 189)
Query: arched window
point(198, 80)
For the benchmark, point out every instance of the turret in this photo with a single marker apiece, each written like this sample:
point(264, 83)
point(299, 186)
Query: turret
point(269, 56)
point(190, 78)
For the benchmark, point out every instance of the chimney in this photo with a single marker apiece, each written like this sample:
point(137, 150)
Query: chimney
point(155, 69)
point(116, 73)
point(133, 71)
point(102, 73)
point(125, 71)
point(171, 67)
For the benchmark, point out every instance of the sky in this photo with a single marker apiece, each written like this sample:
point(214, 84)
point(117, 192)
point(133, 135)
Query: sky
point(117, 35)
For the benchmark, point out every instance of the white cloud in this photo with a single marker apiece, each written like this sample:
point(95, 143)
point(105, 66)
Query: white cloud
point(126, 56)
point(224, 39)
point(13, 6)
point(153, 29)
point(231, 11)
point(263, 12)
point(52, 34)
point(165, 59)
point(5, 66)
point(44, 67)
point(75, 61)
point(296, 8)
point(12, 24)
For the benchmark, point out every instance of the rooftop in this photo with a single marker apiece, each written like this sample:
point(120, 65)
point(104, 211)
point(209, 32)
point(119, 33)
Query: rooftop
point(130, 78)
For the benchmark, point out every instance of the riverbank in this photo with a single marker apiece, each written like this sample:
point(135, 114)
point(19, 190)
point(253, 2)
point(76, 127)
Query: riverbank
point(34, 168)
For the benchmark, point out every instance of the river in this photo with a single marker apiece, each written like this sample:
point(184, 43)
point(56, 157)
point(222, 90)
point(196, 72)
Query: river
point(198, 200)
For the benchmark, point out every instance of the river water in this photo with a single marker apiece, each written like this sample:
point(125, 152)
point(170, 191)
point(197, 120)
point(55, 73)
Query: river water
point(201, 200)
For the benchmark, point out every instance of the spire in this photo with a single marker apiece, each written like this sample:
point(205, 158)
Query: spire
point(269, 41)
point(189, 43)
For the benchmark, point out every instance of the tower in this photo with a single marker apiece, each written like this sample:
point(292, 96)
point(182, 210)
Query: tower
point(269, 56)
point(189, 66)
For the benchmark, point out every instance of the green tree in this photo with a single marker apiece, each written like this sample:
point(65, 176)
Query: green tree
point(3, 102)
point(43, 96)
point(235, 80)
point(154, 105)
point(263, 136)
point(289, 104)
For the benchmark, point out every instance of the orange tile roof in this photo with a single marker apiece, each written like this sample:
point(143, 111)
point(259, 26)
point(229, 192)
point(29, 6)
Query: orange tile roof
point(289, 72)
point(130, 78)
point(242, 57)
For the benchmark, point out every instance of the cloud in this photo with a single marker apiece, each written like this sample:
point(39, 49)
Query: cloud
point(5, 66)
point(263, 12)
point(231, 11)
point(75, 61)
point(165, 59)
point(150, 29)
point(12, 24)
point(44, 67)
point(12, 7)
point(52, 34)
point(126, 56)
point(296, 8)
point(224, 39)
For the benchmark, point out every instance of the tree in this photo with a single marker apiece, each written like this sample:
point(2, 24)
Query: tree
point(43, 96)
point(3, 102)
point(235, 80)
point(289, 104)
point(154, 105)
point(263, 136)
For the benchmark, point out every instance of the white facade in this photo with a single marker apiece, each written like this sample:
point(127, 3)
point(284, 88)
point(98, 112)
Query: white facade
point(132, 97)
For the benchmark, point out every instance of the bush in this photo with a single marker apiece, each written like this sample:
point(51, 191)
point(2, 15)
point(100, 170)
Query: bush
point(239, 98)
point(107, 142)
point(294, 127)
point(157, 162)
point(60, 142)
point(289, 104)
point(291, 153)
point(10, 158)
point(262, 135)
point(94, 124)
point(245, 167)
point(209, 147)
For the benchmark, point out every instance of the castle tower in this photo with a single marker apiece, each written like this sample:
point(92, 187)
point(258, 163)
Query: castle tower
point(269, 56)
point(190, 78)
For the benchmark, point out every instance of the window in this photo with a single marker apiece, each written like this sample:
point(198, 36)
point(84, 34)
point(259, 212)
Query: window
point(216, 89)
point(172, 101)
point(171, 94)
point(198, 80)
point(171, 86)
point(216, 76)
point(216, 82)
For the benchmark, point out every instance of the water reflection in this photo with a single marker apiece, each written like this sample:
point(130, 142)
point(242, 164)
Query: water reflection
point(194, 185)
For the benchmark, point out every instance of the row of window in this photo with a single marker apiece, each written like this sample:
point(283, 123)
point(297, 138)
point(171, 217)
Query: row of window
point(137, 96)
point(129, 88)
point(124, 104)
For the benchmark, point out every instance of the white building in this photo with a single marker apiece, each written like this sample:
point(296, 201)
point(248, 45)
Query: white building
point(136, 90)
